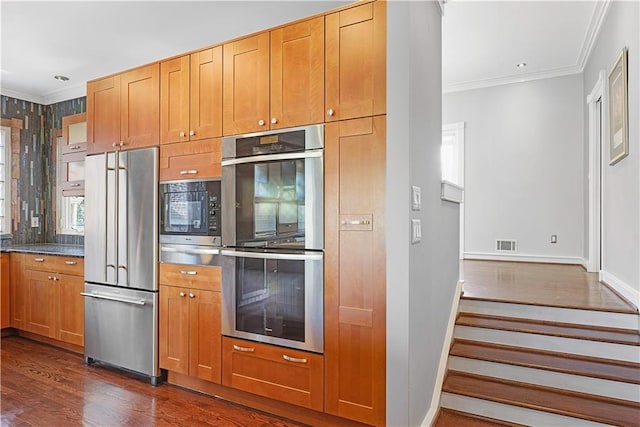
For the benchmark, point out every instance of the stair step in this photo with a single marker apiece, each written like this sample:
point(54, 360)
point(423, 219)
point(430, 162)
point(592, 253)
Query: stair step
point(452, 418)
point(608, 369)
point(562, 402)
point(605, 319)
point(566, 330)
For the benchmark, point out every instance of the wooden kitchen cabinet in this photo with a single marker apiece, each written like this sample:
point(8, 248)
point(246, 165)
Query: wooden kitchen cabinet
point(355, 285)
point(191, 96)
point(46, 296)
point(190, 324)
point(292, 376)
point(275, 79)
point(5, 277)
point(189, 160)
point(123, 111)
point(74, 150)
point(18, 290)
point(356, 62)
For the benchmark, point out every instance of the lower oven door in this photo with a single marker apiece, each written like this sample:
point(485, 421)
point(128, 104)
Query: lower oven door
point(275, 298)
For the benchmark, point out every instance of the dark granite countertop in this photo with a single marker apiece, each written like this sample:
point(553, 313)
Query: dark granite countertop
point(47, 248)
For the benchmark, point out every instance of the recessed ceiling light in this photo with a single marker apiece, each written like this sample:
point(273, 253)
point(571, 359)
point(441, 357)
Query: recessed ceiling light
point(521, 65)
point(61, 78)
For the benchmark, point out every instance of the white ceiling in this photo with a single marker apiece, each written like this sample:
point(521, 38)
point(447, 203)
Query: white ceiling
point(482, 40)
point(84, 40)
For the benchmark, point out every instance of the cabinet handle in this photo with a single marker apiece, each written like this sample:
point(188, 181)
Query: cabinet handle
point(274, 120)
point(191, 295)
point(192, 133)
point(74, 185)
point(49, 278)
point(245, 349)
point(181, 134)
point(293, 359)
point(363, 222)
point(182, 294)
point(330, 112)
point(71, 262)
point(189, 273)
point(113, 144)
point(74, 147)
point(121, 143)
point(55, 278)
point(189, 172)
point(261, 122)
point(38, 259)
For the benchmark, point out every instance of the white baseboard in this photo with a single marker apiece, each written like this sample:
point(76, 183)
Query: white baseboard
point(632, 295)
point(523, 258)
point(584, 263)
point(444, 356)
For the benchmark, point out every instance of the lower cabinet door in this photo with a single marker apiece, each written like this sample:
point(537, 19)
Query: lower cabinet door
point(43, 303)
point(205, 335)
point(71, 306)
point(174, 329)
point(292, 376)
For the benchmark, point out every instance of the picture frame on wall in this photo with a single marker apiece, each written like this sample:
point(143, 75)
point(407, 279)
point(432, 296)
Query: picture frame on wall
point(618, 110)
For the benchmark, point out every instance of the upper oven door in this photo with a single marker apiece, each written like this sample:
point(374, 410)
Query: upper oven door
point(274, 201)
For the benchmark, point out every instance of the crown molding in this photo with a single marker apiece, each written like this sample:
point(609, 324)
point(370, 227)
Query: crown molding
point(595, 25)
point(70, 92)
point(499, 81)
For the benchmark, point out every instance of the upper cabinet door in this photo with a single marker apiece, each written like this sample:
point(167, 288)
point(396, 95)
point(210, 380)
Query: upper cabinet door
point(297, 74)
point(356, 62)
point(174, 100)
point(246, 85)
point(140, 107)
point(206, 94)
point(103, 114)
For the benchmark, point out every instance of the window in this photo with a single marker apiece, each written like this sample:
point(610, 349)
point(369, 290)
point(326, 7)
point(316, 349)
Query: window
point(5, 180)
point(452, 153)
point(70, 212)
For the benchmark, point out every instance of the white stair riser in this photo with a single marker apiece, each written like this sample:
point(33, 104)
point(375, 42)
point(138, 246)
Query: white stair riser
point(514, 414)
point(552, 314)
point(589, 385)
point(604, 350)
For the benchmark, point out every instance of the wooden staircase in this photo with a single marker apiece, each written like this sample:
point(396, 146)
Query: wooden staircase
point(521, 364)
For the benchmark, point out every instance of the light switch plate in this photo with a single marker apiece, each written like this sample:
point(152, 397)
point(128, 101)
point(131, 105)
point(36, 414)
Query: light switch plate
point(35, 221)
point(416, 198)
point(416, 231)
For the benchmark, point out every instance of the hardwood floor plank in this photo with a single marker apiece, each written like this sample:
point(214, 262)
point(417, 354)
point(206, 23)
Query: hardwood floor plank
point(45, 386)
point(593, 333)
point(555, 285)
point(558, 362)
point(563, 402)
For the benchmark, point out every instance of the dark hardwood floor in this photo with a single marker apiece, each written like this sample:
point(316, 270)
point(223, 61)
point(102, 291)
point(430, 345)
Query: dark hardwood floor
point(44, 386)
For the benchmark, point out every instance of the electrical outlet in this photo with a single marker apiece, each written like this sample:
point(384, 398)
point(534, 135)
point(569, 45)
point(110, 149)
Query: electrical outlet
point(554, 238)
point(35, 222)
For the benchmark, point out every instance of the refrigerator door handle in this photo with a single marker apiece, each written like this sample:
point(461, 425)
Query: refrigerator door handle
point(123, 220)
point(136, 302)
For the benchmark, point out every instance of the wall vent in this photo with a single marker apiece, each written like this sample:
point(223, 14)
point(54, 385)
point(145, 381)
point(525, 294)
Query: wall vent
point(506, 245)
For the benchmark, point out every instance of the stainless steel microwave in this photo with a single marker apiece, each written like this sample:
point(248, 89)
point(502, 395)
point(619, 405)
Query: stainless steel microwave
point(190, 212)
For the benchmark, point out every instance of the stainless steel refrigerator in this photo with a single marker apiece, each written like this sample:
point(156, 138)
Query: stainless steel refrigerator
point(121, 259)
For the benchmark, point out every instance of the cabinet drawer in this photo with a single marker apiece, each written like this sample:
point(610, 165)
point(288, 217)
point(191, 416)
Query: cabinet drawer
point(191, 276)
point(189, 160)
point(55, 264)
point(279, 373)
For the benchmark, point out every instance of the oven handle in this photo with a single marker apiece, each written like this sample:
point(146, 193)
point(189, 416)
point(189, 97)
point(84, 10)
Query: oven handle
point(191, 251)
point(273, 157)
point(312, 256)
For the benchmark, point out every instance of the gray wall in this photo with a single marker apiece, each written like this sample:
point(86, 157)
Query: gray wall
point(621, 201)
point(421, 278)
point(524, 167)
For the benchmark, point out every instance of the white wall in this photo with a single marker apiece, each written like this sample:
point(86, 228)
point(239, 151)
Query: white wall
point(621, 198)
point(524, 167)
point(421, 278)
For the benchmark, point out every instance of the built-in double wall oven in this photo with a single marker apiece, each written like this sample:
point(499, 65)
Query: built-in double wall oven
point(272, 235)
